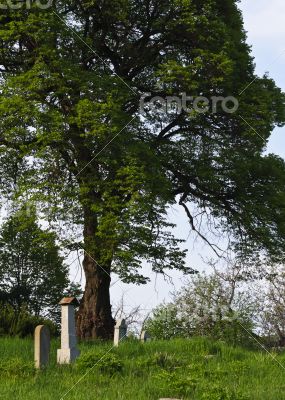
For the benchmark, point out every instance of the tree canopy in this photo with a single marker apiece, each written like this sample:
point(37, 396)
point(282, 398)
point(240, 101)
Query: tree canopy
point(72, 79)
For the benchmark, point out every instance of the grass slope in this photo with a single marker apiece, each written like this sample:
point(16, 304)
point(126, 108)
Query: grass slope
point(196, 369)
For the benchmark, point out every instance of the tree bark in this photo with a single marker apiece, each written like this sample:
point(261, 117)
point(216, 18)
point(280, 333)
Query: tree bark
point(94, 318)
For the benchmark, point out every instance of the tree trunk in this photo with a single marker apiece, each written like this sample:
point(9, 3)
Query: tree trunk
point(94, 318)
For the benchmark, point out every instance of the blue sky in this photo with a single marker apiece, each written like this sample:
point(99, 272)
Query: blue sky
point(264, 22)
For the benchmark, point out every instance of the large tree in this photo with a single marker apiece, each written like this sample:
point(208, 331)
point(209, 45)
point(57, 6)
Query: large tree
point(72, 76)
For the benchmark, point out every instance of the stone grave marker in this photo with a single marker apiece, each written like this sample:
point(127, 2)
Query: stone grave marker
point(68, 351)
point(120, 332)
point(145, 337)
point(42, 346)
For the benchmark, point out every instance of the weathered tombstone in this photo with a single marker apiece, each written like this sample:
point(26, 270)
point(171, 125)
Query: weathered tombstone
point(42, 346)
point(68, 351)
point(120, 331)
point(145, 337)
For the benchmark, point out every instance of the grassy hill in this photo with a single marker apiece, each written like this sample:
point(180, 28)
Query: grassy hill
point(196, 369)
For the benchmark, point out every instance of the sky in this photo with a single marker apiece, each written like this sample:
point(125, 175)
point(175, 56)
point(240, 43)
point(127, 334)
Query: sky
point(264, 23)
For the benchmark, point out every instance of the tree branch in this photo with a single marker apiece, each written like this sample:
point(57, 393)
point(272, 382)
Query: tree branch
point(191, 220)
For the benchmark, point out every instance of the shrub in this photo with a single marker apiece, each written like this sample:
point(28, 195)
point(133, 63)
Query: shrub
point(106, 363)
point(21, 323)
point(165, 323)
point(175, 384)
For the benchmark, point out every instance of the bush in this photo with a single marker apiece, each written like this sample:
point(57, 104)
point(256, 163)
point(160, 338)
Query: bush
point(235, 332)
point(165, 323)
point(106, 363)
point(21, 323)
point(176, 384)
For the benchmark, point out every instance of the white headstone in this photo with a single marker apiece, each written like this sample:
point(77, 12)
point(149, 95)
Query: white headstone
point(68, 351)
point(120, 332)
point(42, 346)
point(145, 337)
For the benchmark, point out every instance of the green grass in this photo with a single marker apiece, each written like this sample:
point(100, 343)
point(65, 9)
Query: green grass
point(196, 369)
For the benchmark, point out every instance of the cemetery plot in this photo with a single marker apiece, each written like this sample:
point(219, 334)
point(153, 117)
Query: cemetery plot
point(196, 369)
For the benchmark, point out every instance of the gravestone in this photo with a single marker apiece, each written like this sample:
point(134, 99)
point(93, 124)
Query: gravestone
point(68, 351)
point(120, 332)
point(42, 346)
point(145, 337)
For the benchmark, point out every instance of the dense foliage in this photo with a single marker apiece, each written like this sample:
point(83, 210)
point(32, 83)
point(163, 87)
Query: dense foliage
point(22, 323)
point(32, 273)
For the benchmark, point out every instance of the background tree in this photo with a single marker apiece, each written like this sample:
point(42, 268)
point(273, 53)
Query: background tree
point(32, 273)
point(208, 305)
point(269, 298)
point(70, 112)
point(164, 323)
point(133, 316)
